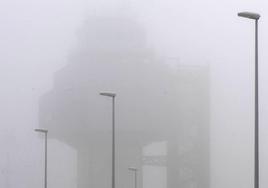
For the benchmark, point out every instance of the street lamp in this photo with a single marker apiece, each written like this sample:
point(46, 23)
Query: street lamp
point(44, 132)
point(255, 16)
point(112, 95)
point(133, 169)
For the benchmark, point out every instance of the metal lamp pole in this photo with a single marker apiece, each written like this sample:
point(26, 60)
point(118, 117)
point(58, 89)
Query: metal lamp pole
point(45, 132)
point(113, 134)
point(135, 175)
point(255, 17)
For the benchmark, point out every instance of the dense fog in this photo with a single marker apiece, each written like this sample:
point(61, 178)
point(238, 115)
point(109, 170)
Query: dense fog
point(183, 75)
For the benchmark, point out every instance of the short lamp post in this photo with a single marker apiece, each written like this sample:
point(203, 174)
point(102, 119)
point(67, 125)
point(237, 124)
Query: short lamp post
point(45, 133)
point(135, 170)
point(112, 95)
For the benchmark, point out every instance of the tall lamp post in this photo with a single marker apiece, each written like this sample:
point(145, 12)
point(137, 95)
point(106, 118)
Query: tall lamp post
point(135, 170)
point(112, 95)
point(44, 132)
point(255, 16)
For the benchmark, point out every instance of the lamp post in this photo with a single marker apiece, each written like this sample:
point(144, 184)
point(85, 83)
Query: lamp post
point(44, 132)
point(112, 95)
point(255, 16)
point(135, 170)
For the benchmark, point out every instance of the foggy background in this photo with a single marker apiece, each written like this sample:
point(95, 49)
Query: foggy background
point(183, 74)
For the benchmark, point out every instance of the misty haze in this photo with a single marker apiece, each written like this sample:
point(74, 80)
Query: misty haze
point(132, 94)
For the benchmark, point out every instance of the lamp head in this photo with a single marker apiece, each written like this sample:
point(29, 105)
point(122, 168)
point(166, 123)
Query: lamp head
point(108, 94)
point(132, 169)
point(250, 15)
point(41, 130)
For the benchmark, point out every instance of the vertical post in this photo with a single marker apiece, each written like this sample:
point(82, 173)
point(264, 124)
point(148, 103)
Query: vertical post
point(113, 143)
point(256, 17)
point(133, 169)
point(45, 159)
point(113, 134)
point(256, 169)
point(45, 133)
point(136, 179)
